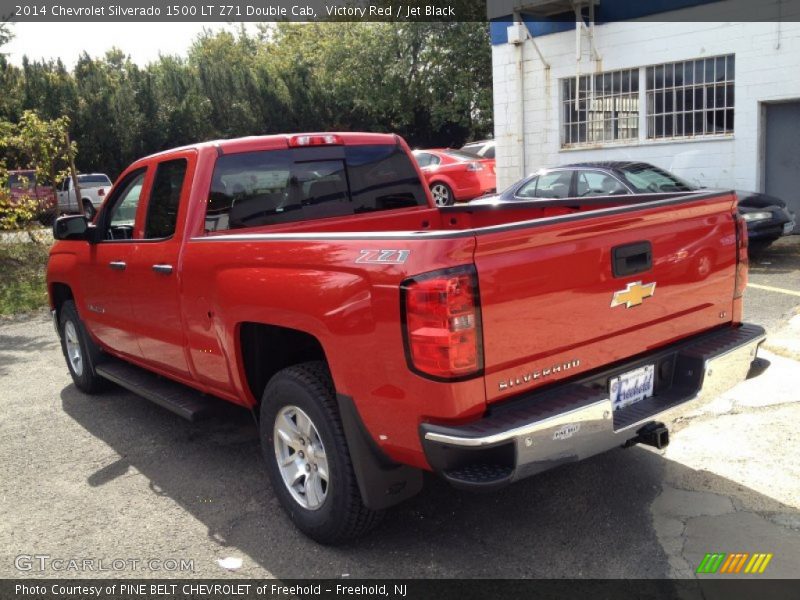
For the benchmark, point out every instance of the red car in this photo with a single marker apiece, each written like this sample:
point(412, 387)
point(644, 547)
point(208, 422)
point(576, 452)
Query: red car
point(455, 176)
point(22, 183)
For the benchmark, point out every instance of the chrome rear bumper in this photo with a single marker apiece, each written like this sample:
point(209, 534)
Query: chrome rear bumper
point(573, 421)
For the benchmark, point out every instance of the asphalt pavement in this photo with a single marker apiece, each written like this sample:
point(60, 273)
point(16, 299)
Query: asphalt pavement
point(113, 477)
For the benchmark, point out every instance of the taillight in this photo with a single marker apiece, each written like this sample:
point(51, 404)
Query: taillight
point(326, 139)
point(741, 256)
point(101, 192)
point(442, 324)
point(474, 166)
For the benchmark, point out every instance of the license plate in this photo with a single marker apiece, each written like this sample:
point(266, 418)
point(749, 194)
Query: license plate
point(788, 227)
point(631, 387)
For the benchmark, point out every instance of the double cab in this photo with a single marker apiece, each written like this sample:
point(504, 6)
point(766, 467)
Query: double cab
point(312, 280)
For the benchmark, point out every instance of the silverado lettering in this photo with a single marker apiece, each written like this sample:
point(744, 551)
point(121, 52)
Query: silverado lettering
point(311, 280)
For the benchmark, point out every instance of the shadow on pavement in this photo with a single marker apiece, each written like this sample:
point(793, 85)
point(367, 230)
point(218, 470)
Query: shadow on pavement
point(11, 346)
point(781, 257)
point(590, 519)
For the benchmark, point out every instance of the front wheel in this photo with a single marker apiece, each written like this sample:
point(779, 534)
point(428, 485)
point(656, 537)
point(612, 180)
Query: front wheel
point(308, 460)
point(79, 349)
point(442, 194)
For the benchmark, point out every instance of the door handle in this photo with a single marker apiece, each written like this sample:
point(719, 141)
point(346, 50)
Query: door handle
point(163, 269)
point(118, 265)
point(631, 259)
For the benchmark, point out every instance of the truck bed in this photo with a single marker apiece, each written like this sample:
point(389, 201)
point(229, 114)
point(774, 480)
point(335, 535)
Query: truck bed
point(463, 218)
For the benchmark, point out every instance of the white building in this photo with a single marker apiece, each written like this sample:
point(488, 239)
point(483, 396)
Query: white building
point(703, 91)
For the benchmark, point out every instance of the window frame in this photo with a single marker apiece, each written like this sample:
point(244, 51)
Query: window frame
point(646, 106)
point(149, 198)
point(103, 222)
point(585, 89)
point(689, 89)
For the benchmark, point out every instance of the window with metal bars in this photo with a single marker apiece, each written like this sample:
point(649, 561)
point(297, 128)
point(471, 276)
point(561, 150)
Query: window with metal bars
point(690, 98)
point(600, 108)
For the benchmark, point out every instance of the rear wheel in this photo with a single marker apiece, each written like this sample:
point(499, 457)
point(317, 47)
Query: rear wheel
point(88, 210)
point(81, 353)
point(308, 460)
point(442, 194)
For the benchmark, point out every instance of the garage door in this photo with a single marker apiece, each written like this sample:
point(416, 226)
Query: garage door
point(782, 157)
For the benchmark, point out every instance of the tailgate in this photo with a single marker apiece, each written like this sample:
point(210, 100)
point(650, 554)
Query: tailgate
point(554, 305)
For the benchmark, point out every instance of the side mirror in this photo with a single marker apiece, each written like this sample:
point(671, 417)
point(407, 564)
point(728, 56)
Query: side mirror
point(72, 227)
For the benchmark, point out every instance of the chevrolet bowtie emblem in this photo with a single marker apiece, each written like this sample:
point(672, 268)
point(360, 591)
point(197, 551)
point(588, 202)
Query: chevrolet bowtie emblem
point(633, 294)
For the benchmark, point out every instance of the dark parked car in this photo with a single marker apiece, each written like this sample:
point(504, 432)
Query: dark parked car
point(768, 217)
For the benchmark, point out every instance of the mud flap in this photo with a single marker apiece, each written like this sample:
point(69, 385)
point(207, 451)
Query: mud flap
point(382, 482)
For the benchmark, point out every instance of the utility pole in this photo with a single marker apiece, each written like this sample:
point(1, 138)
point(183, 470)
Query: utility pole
point(73, 174)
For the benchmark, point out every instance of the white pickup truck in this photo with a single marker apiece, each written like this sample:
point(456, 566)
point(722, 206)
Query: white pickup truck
point(93, 187)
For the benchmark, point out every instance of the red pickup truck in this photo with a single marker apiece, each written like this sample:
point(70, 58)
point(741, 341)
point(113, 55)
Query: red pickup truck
point(311, 279)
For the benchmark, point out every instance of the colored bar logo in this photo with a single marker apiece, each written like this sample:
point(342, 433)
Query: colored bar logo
point(737, 562)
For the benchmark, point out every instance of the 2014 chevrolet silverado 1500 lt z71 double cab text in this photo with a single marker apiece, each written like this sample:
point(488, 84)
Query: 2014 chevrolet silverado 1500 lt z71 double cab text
point(311, 279)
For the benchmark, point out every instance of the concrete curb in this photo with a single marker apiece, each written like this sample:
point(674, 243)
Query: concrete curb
point(43, 236)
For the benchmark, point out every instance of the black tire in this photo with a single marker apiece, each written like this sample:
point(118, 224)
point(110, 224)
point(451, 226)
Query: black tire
point(86, 378)
point(88, 210)
point(341, 516)
point(442, 194)
point(755, 248)
point(46, 218)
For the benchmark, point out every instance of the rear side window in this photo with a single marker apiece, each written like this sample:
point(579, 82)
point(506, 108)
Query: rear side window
point(252, 189)
point(425, 159)
point(162, 210)
point(595, 183)
point(548, 185)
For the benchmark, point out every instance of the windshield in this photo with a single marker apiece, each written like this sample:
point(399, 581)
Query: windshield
point(92, 181)
point(22, 179)
point(647, 178)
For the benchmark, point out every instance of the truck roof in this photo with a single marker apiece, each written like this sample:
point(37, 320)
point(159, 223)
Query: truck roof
point(278, 141)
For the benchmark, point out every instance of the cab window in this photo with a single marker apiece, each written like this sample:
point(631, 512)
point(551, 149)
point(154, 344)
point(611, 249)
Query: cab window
point(122, 211)
point(162, 209)
point(253, 189)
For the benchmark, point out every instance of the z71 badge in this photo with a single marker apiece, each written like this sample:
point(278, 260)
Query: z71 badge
point(383, 257)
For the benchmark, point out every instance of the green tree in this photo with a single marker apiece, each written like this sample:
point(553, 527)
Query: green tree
point(40, 144)
point(430, 82)
point(6, 35)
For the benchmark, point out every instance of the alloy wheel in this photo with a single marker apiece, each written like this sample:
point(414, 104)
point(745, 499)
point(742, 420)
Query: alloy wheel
point(301, 457)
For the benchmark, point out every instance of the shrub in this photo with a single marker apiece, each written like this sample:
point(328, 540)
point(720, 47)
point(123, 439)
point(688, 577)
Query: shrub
point(17, 213)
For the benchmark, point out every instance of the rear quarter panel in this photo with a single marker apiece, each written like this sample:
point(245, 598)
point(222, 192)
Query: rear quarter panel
point(352, 308)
